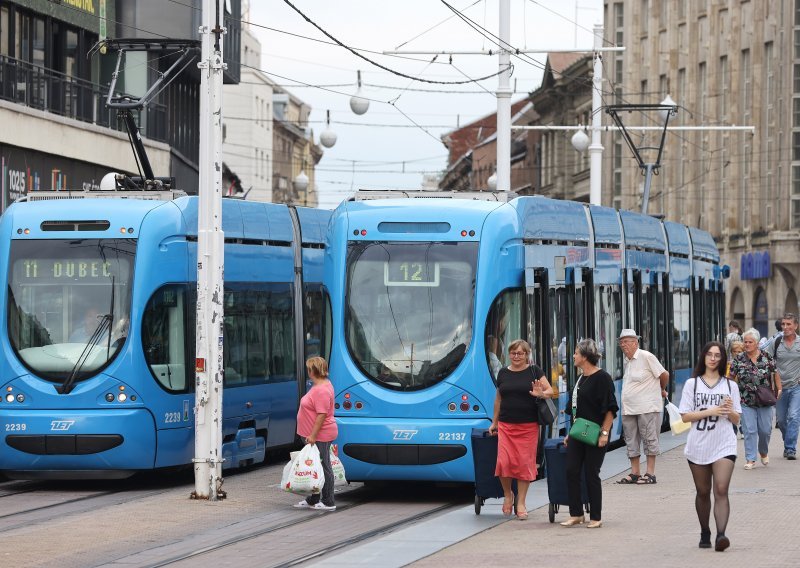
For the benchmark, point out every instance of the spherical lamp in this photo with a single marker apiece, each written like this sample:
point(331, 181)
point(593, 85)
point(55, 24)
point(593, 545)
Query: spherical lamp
point(580, 140)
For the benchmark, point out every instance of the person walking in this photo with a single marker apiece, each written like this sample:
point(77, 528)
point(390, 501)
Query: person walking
point(643, 390)
point(752, 369)
point(316, 424)
point(515, 422)
point(711, 403)
point(594, 400)
point(734, 334)
point(785, 349)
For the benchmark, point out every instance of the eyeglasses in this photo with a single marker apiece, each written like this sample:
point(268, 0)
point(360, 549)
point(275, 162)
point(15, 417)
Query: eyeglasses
point(714, 355)
point(517, 353)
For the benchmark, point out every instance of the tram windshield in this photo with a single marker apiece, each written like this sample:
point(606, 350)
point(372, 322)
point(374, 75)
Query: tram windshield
point(409, 310)
point(69, 304)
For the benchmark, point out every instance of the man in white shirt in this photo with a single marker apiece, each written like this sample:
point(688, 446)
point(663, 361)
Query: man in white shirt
point(643, 392)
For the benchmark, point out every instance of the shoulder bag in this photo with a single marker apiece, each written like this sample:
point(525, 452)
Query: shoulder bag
point(765, 396)
point(546, 410)
point(583, 430)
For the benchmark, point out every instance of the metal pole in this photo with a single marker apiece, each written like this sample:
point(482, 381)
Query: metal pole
point(504, 101)
point(596, 147)
point(210, 262)
point(648, 177)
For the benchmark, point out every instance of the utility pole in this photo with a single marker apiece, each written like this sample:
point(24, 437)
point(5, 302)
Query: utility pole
point(210, 262)
point(596, 147)
point(504, 100)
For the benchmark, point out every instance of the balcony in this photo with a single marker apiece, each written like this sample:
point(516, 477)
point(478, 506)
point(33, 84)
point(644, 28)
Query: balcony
point(44, 89)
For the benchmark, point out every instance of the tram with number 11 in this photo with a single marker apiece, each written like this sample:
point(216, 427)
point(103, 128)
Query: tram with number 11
point(98, 334)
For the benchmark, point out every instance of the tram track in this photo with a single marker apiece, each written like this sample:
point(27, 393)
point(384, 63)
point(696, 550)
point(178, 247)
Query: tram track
point(283, 531)
point(64, 507)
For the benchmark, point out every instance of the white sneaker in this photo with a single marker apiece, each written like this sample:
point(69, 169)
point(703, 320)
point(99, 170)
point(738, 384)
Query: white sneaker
point(323, 507)
point(302, 505)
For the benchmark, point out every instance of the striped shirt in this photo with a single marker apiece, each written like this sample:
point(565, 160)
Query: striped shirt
point(713, 437)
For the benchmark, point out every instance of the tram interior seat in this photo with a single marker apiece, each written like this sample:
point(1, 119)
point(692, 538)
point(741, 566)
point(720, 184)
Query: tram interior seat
point(172, 375)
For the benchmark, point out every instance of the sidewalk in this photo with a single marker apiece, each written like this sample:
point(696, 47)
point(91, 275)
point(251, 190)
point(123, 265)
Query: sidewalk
point(653, 525)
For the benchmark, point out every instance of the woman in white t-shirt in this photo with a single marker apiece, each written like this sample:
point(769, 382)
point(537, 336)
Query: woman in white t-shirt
point(711, 402)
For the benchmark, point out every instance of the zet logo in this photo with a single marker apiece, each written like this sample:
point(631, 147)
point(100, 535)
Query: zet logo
point(404, 434)
point(61, 425)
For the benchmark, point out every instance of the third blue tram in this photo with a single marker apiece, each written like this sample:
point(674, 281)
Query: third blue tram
point(428, 292)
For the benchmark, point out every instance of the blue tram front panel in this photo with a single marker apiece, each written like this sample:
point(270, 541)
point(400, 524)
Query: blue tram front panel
point(407, 449)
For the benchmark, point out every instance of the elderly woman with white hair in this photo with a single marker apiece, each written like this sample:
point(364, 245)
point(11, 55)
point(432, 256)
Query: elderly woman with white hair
point(753, 369)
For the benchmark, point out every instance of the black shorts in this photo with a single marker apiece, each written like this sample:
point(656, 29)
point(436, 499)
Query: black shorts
point(730, 457)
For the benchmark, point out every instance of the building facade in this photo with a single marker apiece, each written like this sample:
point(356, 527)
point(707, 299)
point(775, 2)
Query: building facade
point(57, 132)
point(247, 126)
point(294, 151)
point(724, 62)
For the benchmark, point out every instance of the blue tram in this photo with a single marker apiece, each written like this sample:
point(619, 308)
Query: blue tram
point(98, 344)
point(428, 292)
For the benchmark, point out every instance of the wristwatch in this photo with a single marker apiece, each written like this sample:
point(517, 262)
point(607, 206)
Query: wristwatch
point(604, 432)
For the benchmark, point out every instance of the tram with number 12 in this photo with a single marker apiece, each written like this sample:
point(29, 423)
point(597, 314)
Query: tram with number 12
point(428, 289)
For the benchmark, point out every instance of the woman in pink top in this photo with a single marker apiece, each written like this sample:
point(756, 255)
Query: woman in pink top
point(315, 423)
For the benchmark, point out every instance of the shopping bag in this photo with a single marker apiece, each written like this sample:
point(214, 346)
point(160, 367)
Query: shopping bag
point(336, 465)
point(676, 423)
point(304, 473)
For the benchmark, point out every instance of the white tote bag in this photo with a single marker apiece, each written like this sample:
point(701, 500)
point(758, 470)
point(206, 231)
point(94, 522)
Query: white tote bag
point(304, 474)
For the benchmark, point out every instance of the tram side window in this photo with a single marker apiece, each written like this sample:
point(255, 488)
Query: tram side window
point(259, 338)
point(681, 333)
point(609, 317)
point(503, 325)
point(317, 321)
point(168, 337)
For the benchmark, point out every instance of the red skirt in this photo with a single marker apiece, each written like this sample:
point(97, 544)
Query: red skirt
point(516, 450)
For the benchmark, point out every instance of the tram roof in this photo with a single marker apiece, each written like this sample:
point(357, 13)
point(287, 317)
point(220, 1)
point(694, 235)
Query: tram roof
point(642, 231)
point(606, 225)
point(678, 237)
point(244, 219)
point(703, 244)
point(552, 219)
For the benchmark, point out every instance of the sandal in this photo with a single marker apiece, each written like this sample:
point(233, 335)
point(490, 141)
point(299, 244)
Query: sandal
point(630, 479)
point(522, 513)
point(508, 505)
point(647, 479)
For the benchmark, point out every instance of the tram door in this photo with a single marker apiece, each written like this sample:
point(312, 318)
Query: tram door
point(560, 313)
point(649, 312)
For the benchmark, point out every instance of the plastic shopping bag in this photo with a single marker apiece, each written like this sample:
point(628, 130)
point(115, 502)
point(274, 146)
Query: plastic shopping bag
point(676, 423)
point(336, 465)
point(304, 474)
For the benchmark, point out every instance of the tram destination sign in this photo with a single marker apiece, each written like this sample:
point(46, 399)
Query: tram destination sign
point(60, 270)
point(410, 273)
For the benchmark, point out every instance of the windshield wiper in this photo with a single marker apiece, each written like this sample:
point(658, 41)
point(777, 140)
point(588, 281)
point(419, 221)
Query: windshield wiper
point(104, 325)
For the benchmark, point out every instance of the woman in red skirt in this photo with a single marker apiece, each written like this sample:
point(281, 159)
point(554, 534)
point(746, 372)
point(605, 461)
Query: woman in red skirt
point(516, 424)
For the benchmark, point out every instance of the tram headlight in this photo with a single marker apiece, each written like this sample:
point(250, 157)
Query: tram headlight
point(20, 397)
point(451, 407)
point(110, 397)
point(347, 405)
point(122, 397)
point(9, 398)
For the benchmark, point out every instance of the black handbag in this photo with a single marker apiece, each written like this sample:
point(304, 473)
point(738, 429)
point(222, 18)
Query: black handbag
point(765, 396)
point(545, 407)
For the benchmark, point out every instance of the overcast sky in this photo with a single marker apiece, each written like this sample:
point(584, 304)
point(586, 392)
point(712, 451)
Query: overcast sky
point(398, 139)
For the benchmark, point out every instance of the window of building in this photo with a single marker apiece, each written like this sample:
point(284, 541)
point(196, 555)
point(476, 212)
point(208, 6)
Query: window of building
point(746, 96)
point(644, 16)
point(768, 109)
point(5, 36)
point(723, 86)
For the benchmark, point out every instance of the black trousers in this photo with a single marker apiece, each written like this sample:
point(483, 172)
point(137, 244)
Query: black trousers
point(589, 459)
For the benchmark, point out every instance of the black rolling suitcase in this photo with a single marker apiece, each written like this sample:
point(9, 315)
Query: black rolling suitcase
point(555, 457)
point(484, 458)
